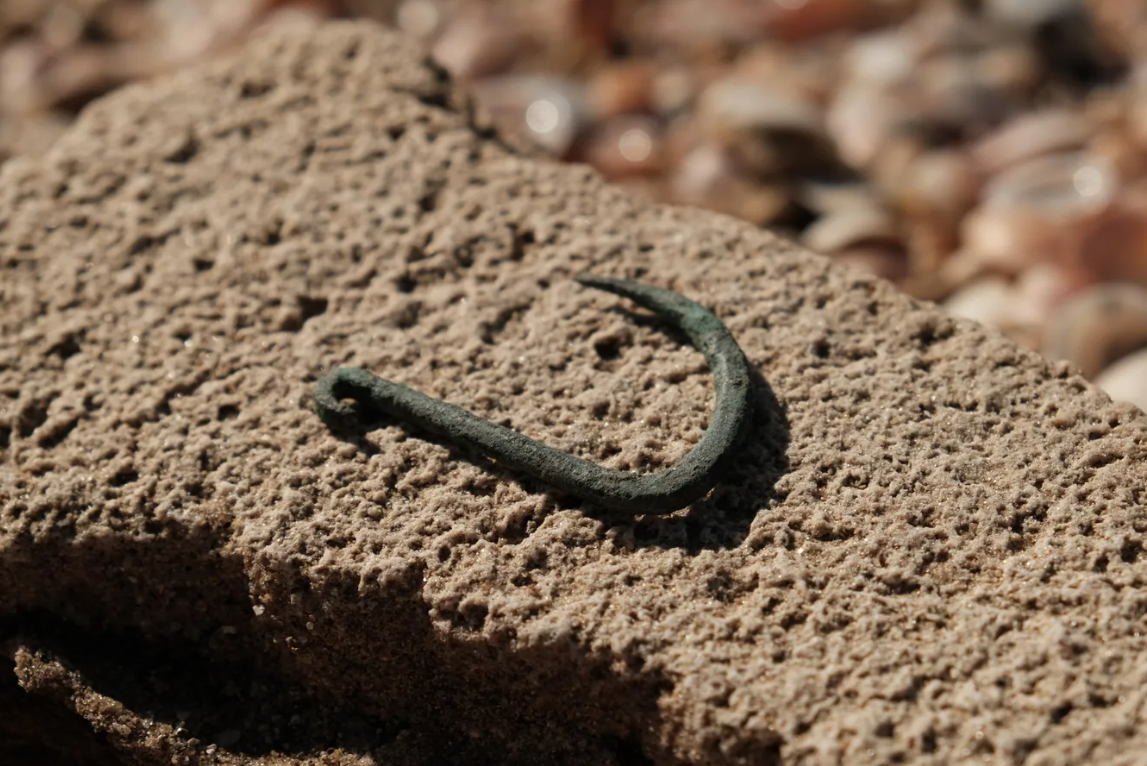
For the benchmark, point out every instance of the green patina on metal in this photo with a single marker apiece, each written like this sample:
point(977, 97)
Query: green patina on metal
point(659, 492)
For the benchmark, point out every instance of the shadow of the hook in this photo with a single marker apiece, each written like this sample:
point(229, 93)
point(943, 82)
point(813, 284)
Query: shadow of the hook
point(720, 520)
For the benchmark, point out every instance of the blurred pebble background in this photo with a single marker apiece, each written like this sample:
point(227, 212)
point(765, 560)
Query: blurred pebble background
point(990, 155)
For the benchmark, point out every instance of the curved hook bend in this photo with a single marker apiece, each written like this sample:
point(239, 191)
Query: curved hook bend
point(659, 492)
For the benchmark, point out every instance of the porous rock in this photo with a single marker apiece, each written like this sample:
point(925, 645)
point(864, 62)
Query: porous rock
point(930, 550)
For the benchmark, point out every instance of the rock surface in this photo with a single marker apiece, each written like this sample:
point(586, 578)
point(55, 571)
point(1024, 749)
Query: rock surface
point(931, 549)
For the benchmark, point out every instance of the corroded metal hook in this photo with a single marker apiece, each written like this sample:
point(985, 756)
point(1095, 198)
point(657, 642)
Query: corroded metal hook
point(659, 492)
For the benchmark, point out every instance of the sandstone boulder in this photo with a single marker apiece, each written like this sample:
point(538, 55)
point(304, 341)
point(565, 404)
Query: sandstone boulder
point(930, 550)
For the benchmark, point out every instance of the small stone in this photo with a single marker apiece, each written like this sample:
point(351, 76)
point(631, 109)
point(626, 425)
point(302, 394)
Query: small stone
point(1098, 326)
point(884, 262)
point(1007, 240)
point(592, 21)
point(988, 301)
point(291, 17)
point(477, 44)
point(860, 119)
point(882, 58)
point(852, 227)
point(34, 135)
point(807, 73)
point(1030, 13)
point(626, 146)
point(826, 197)
point(734, 105)
point(959, 269)
point(1114, 246)
point(797, 20)
point(21, 62)
point(621, 89)
point(763, 205)
point(929, 242)
point(954, 92)
point(709, 176)
point(549, 112)
point(1137, 118)
point(672, 90)
point(697, 27)
point(902, 148)
point(1013, 70)
point(1126, 379)
point(703, 172)
point(1031, 135)
point(419, 18)
point(1043, 287)
point(1116, 147)
point(944, 29)
point(1073, 184)
point(938, 184)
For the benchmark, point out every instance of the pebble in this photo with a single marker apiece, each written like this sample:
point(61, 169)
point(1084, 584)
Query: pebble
point(672, 90)
point(1114, 246)
point(1098, 326)
point(1014, 70)
point(1030, 13)
point(733, 105)
point(421, 19)
point(954, 92)
point(1044, 287)
point(989, 301)
point(941, 183)
point(591, 21)
point(1126, 379)
point(823, 197)
point(852, 227)
point(884, 262)
point(550, 112)
point(1038, 210)
point(627, 146)
point(477, 44)
point(798, 20)
point(860, 119)
point(1031, 135)
point(1065, 184)
point(883, 58)
point(623, 89)
point(1008, 240)
point(697, 28)
point(703, 173)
